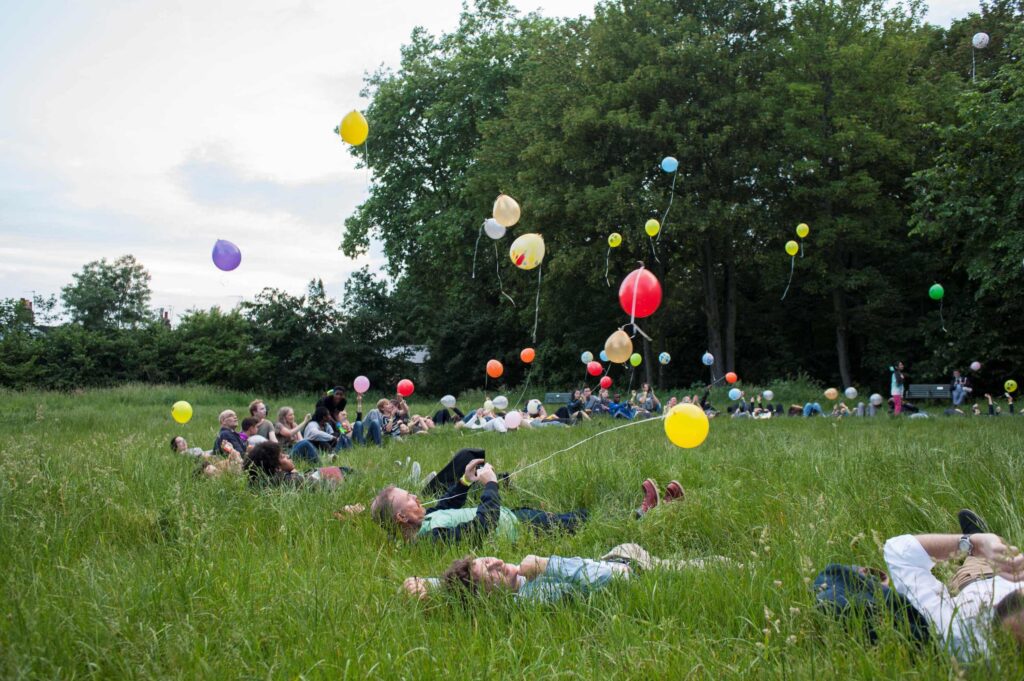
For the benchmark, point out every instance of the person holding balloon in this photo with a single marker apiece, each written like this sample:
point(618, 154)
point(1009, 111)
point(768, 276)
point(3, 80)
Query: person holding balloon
point(959, 388)
point(362, 428)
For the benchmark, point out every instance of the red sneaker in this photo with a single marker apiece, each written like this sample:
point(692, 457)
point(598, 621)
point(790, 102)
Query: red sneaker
point(674, 491)
point(651, 496)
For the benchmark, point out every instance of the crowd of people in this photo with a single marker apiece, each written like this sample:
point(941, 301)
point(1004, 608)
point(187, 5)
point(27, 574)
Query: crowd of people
point(985, 599)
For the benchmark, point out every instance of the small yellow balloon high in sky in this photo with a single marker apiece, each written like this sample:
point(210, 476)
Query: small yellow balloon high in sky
point(354, 128)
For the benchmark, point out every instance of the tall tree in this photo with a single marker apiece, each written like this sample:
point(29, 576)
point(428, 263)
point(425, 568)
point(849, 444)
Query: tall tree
point(107, 295)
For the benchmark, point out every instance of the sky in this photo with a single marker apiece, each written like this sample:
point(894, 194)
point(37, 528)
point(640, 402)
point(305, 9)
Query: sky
point(156, 128)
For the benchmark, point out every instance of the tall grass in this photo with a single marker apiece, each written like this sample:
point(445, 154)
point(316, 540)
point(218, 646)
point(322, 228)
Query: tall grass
point(117, 562)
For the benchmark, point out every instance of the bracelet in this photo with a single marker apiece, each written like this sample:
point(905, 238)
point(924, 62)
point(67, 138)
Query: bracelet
point(464, 482)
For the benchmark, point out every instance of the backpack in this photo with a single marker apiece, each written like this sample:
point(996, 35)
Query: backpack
point(843, 591)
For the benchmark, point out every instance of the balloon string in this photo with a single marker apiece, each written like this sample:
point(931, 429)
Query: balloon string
point(602, 433)
point(636, 286)
point(366, 157)
point(475, 248)
point(654, 251)
point(536, 307)
point(792, 263)
point(525, 388)
point(801, 248)
point(942, 321)
point(671, 195)
point(607, 260)
point(497, 271)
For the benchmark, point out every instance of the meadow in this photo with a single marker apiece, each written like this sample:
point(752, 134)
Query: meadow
point(117, 562)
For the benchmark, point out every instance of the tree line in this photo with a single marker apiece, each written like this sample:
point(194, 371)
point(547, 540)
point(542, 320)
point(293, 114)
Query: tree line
point(895, 140)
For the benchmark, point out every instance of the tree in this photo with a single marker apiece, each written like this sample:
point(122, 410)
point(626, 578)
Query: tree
point(109, 295)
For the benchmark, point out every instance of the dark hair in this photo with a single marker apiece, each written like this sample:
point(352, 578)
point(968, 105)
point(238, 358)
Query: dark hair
point(263, 462)
point(458, 578)
point(322, 414)
point(174, 439)
point(1009, 606)
point(248, 423)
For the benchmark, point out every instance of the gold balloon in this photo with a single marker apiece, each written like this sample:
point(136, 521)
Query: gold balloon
point(527, 251)
point(614, 239)
point(618, 347)
point(354, 128)
point(686, 426)
point(506, 210)
point(831, 394)
point(792, 247)
point(652, 227)
point(802, 230)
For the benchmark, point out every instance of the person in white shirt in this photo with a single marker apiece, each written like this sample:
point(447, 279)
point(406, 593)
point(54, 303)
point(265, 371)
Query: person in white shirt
point(986, 594)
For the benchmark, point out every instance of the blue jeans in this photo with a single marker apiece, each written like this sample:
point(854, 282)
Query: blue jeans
point(567, 522)
point(812, 408)
point(360, 429)
point(304, 449)
point(958, 395)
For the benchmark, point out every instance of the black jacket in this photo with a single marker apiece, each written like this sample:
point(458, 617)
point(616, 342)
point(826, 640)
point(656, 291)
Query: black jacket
point(487, 513)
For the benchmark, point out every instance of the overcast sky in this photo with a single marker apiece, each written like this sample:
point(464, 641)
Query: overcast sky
point(155, 128)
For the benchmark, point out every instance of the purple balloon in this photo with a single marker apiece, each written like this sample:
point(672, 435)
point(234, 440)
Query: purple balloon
point(226, 255)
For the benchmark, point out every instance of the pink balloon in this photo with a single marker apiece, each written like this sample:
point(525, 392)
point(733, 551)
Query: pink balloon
point(513, 419)
point(361, 384)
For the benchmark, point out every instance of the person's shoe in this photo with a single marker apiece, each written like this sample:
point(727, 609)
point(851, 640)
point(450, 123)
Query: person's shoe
point(414, 474)
point(651, 496)
point(430, 477)
point(971, 522)
point(674, 491)
point(505, 480)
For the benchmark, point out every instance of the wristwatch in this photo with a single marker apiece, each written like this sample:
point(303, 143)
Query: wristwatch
point(965, 545)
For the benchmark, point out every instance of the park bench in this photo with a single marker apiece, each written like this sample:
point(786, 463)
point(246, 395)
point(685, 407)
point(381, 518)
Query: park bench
point(557, 398)
point(928, 391)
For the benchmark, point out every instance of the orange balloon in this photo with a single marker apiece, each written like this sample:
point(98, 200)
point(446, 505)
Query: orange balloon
point(494, 368)
point(527, 355)
point(731, 378)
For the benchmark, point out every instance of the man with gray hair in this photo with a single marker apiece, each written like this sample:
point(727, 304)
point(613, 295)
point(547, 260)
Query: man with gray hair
point(227, 435)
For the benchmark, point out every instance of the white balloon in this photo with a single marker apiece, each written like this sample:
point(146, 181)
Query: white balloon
point(876, 399)
point(501, 402)
point(768, 395)
point(494, 229)
point(488, 405)
point(851, 393)
point(448, 401)
point(980, 41)
point(533, 407)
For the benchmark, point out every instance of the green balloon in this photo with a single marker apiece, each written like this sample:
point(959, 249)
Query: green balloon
point(936, 292)
point(635, 359)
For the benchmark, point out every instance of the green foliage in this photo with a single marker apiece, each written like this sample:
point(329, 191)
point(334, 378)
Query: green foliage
point(121, 564)
point(109, 295)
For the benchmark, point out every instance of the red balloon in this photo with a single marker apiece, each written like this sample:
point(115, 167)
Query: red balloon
point(405, 387)
point(606, 382)
point(594, 368)
point(647, 290)
point(527, 355)
point(494, 368)
point(731, 378)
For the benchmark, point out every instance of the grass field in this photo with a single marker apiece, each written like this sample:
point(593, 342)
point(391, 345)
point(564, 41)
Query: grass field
point(117, 563)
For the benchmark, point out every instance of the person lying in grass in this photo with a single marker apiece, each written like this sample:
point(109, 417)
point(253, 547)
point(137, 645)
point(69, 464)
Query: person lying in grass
point(268, 464)
point(549, 579)
point(214, 467)
point(985, 599)
point(179, 445)
point(401, 512)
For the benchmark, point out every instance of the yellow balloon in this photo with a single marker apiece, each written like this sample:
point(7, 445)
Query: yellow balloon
point(506, 211)
point(1010, 385)
point(181, 411)
point(618, 347)
point(831, 394)
point(652, 227)
point(614, 239)
point(687, 426)
point(802, 230)
point(792, 247)
point(527, 251)
point(354, 128)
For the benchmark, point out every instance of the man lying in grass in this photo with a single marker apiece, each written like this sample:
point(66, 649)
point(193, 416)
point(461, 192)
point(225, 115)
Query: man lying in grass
point(541, 579)
point(401, 512)
point(985, 596)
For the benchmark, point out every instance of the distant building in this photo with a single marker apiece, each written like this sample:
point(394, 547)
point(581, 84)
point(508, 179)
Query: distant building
point(413, 356)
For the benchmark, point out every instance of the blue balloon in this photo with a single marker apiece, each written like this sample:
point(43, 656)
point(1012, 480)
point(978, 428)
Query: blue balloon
point(226, 255)
point(708, 359)
point(734, 394)
point(664, 358)
point(603, 355)
point(587, 357)
point(669, 164)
